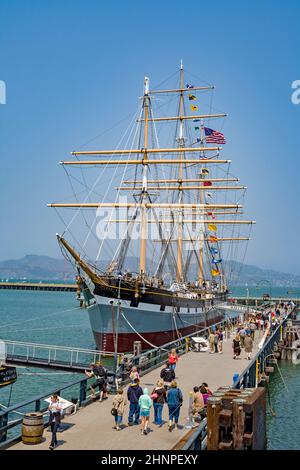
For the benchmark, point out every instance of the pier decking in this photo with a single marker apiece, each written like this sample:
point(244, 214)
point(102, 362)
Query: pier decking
point(41, 286)
point(92, 427)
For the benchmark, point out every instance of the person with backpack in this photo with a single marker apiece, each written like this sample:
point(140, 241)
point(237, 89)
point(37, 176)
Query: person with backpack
point(174, 401)
point(100, 374)
point(145, 404)
point(167, 374)
point(159, 397)
point(118, 406)
point(134, 392)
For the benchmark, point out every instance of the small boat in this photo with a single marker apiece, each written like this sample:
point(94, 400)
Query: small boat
point(8, 375)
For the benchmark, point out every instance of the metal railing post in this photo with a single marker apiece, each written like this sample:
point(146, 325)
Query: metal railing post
point(3, 423)
point(83, 391)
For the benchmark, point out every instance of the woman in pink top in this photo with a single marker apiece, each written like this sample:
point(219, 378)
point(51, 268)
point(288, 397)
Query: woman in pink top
point(173, 359)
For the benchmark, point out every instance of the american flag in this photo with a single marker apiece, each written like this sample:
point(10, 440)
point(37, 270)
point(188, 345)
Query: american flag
point(214, 137)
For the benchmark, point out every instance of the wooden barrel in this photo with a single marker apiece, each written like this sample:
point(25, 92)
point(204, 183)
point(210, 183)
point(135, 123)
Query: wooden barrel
point(32, 428)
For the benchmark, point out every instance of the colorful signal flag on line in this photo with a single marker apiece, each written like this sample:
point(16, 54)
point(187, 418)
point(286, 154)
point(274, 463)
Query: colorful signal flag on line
point(192, 97)
point(215, 272)
point(194, 108)
point(212, 227)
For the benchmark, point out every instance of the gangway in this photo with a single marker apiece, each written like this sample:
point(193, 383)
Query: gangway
point(66, 358)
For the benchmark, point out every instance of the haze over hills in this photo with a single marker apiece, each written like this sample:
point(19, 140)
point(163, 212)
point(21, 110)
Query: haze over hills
point(37, 267)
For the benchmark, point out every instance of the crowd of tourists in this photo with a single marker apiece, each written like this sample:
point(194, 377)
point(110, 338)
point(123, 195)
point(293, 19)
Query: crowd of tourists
point(139, 401)
point(260, 322)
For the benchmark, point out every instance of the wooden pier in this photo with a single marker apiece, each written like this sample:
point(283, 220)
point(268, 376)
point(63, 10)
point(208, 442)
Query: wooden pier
point(92, 427)
point(41, 286)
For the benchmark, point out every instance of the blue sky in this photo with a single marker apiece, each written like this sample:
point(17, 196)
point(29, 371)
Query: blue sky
point(74, 68)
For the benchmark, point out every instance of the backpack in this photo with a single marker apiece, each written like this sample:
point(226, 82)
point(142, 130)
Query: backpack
point(180, 398)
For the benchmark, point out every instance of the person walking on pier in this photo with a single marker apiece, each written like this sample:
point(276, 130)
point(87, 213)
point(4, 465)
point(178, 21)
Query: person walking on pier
point(167, 374)
point(145, 404)
point(173, 359)
point(211, 340)
point(134, 392)
point(220, 341)
point(174, 401)
point(118, 405)
point(216, 342)
point(248, 343)
point(54, 419)
point(252, 329)
point(236, 346)
point(242, 334)
point(159, 397)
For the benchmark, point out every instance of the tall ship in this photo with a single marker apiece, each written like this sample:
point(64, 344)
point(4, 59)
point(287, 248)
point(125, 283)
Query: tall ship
point(154, 237)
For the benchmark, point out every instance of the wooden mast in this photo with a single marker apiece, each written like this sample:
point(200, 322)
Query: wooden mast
point(202, 227)
point(180, 196)
point(144, 195)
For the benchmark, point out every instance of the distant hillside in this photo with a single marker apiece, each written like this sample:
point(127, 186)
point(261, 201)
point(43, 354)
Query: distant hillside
point(252, 275)
point(36, 267)
point(46, 268)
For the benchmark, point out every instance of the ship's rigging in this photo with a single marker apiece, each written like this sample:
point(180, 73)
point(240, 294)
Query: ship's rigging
point(175, 188)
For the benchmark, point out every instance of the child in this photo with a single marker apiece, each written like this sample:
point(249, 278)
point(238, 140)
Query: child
point(145, 404)
point(119, 403)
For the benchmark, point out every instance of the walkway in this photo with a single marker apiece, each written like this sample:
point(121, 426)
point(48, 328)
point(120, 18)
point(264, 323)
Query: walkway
point(92, 427)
